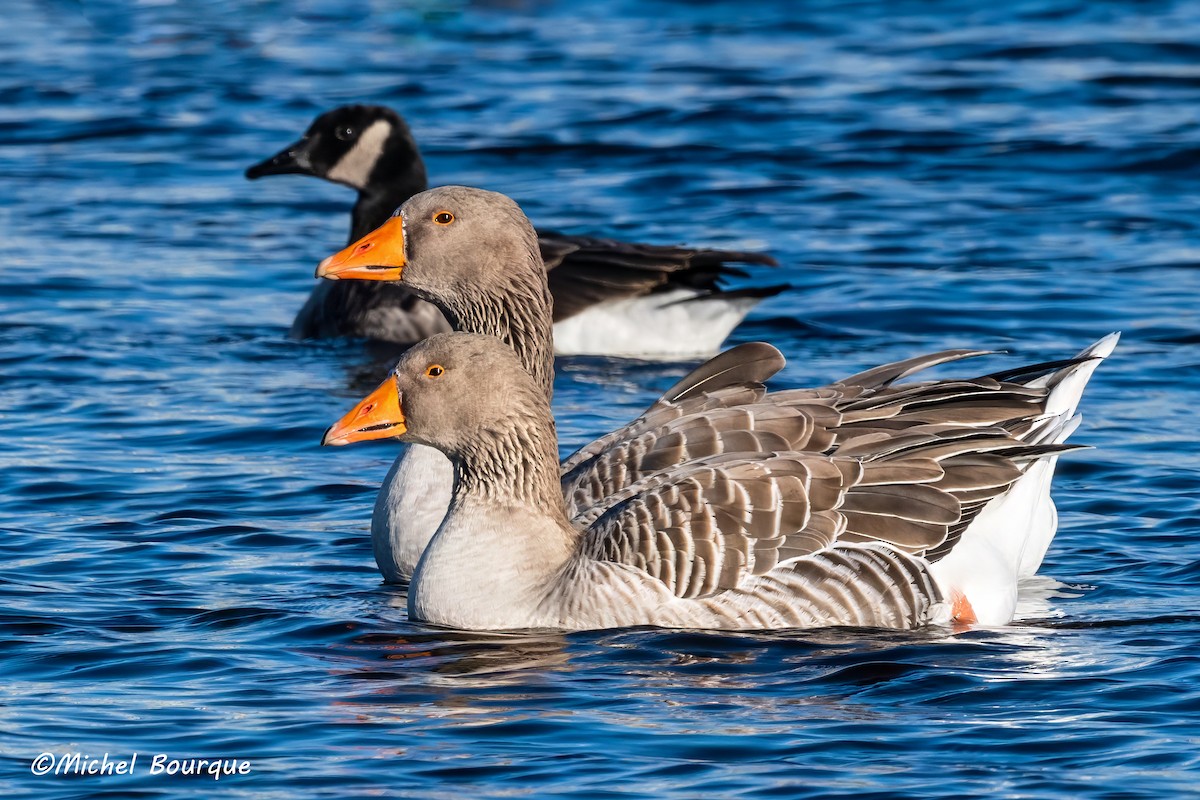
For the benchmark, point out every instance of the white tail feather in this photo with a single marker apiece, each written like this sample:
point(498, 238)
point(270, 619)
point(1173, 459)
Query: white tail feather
point(1011, 535)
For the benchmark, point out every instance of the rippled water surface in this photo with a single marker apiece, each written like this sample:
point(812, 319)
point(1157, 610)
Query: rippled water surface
point(187, 572)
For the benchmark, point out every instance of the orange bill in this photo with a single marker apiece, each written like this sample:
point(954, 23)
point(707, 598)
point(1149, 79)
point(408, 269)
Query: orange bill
point(379, 416)
point(378, 256)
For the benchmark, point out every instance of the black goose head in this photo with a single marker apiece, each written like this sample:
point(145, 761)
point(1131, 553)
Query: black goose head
point(368, 148)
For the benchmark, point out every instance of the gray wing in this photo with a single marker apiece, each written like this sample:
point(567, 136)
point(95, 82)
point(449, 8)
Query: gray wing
point(723, 407)
point(689, 438)
point(983, 433)
point(906, 467)
point(702, 528)
point(706, 528)
point(732, 378)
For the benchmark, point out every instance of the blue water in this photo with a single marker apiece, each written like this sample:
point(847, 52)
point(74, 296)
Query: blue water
point(186, 572)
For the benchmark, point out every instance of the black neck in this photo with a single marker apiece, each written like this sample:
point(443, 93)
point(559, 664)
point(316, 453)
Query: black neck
point(376, 204)
point(399, 174)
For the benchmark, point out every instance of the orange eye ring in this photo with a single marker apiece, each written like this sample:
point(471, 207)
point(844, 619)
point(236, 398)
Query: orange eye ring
point(434, 371)
point(443, 217)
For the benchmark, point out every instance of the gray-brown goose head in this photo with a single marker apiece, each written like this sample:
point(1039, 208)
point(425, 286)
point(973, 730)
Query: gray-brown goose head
point(470, 397)
point(472, 253)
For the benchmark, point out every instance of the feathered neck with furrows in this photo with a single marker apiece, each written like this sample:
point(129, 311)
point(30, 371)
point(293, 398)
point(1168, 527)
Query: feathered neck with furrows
point(514, 305)
point(515, 461)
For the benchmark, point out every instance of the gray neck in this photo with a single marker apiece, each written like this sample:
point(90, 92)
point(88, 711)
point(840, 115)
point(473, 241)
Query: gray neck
point(516, 464)
point(518, 312)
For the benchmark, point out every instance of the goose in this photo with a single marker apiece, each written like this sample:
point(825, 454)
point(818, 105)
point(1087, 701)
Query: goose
point(762, 537)
point(610, 297)
point(953, 475)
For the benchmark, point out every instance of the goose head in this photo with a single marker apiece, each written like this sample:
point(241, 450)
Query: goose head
point(441, 243)
point(368, 148)
point(452, 391)
point(474, 255)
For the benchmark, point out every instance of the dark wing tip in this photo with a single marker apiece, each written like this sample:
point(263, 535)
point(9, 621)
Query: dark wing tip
point(752, 292)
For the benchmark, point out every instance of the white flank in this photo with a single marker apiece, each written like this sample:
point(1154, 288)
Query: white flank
point(984, 564)
point(653, 326)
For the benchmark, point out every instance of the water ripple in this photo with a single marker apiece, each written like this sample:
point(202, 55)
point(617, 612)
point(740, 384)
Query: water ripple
point(188, 572)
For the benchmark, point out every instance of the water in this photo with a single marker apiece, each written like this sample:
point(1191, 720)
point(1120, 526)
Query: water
point(187, 572)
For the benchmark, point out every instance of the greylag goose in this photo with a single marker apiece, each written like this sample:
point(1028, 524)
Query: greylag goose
point(989, 443)
point(610, 297)
point(928, 523)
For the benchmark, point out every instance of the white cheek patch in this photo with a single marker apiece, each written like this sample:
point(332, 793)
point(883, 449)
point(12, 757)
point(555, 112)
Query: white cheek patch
point(355, 167)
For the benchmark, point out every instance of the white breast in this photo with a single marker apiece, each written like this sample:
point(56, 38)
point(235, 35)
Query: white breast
point(410, 506)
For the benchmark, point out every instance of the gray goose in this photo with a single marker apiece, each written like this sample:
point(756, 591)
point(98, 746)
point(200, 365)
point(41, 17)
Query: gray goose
point(610, 297)
point(760, 538)
point(881, 502)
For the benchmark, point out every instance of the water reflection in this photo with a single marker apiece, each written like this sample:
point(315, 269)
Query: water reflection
point(706, 683)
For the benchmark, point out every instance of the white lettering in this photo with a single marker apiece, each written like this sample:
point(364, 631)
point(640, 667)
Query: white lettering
point(160, 764)
point(68, 764)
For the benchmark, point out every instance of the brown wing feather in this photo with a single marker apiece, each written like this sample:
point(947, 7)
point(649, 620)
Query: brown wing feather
point(701, 495)
point(734, 377)
point(727, 519)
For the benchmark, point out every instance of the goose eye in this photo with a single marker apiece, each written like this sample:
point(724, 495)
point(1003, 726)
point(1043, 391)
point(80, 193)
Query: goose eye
point(443, 218)
point(345, 133)
point(434, 371)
